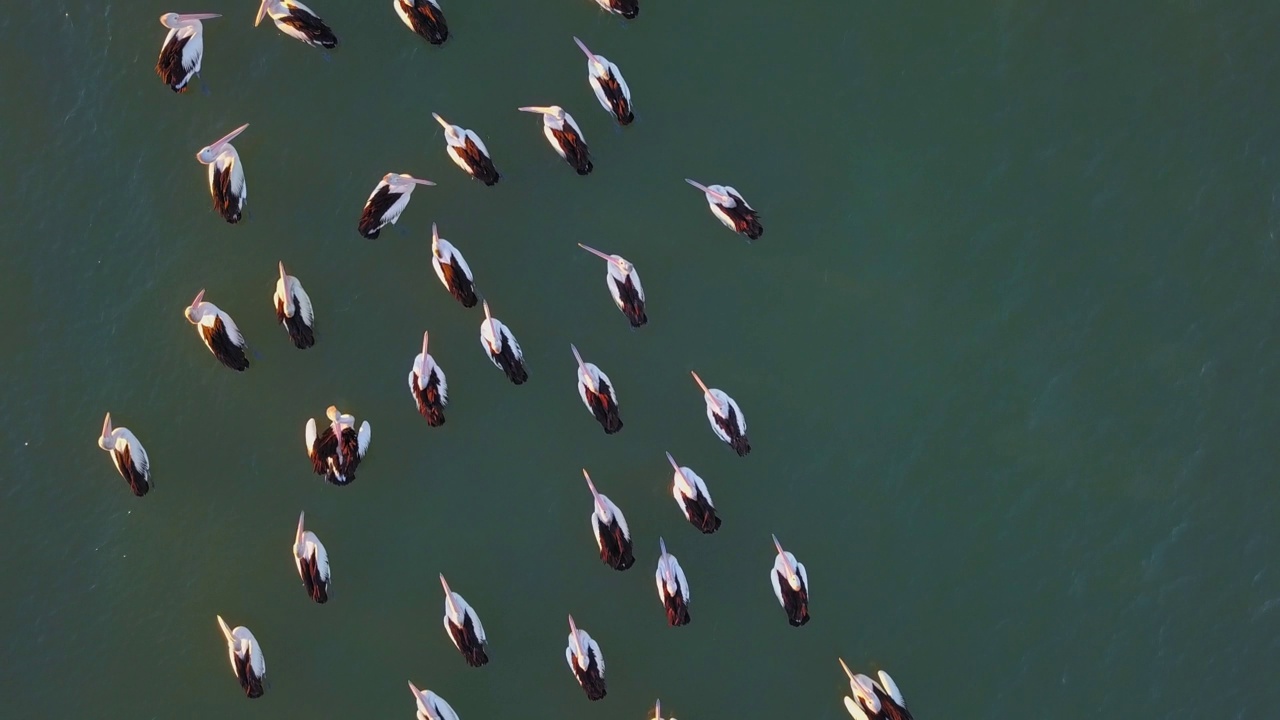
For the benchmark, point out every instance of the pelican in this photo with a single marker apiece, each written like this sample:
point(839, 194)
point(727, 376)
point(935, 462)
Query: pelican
point(312, 561)
point(657, 711)
point(673, 588)
point(611, 90)
point(624, 286)
point(468, 152)
point(874, 701)
point(502, 348)
point(428, 387)
point(452, 269)
point(586, 662)
point(226, 176)
point(694, 499)
point(219, 333)
point(565, 136)
point(128, 455)
point(728, 205)
point(790, 585)
point(463, 626)
point(431, 706)
point(293, 310)
point(337, 461)
point(726, 418)
point(246, 658)
point(425, 18)
point(628, 9)
point(597, 393)
point(610, 528)
point(183, 48)
point(298, 22)
point(389, 198)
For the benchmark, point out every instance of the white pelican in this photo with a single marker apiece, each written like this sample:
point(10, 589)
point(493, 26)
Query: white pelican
point(452, 269)
point(425, 18)
point(246, 658)
point(183, 48)
point(691, 494)
point(565, 136)
point(790, 585)
point(597, 393)
point(725, 417)
point(389, 198)
point(298, 22)
point(502, 348)
point(610, 528)
point(431, 706)
point(293, 310)
point(673, 588)
point(312, 561)
point(728, 205)
point(219, 333)
point(586, 661)
point(624, 286)
point(226, 176)
point(611, 90)
point(628, 9)
point(428, 386)
point(872, 700)
point(468, 152)
point(128, 455)
point(463, 627)
point(337, 461)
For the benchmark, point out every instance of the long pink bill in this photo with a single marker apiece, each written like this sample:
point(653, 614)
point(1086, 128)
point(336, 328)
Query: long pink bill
point(719, 197)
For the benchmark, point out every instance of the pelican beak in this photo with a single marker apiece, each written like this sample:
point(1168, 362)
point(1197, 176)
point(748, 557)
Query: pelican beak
point(425, 336)
point(596, 252)
point(284, 277)
point(577, 357)
point(262, 12)
point(414, 688)
point(445, 584)
point(778, 545)
point(847, 671)
point(198, 16)
point(420, 181)
point(217, 144)
point(657, 710)
point(706, 392)
point(443, 123)
point(718, 196)
point(199, 299)
point(573, 633)
point(587, 52)
point(435, 237)
point(331, 412)
point(590, 484)
point(673, 462)
point(540, 109)
point(226, 631)
point(106, 426)
point(297, 536)
point(662, 544)
point(487, 316)
point(698, 185)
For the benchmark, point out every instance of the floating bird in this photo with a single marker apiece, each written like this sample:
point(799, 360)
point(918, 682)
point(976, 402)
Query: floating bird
point(463, 626)
point(337, 461)
point(183, 49)
point(431, 706)
point(597, 393)
point(468, 152)
point(610, 528)
point(694, 499)
point(298, 22)
point(389, 198)
point(611, 90)
point(565, 136)
point(790, 585)
point(452, 269)
point(226, 176)
point(246, 658)
point(628, 9)
point(673, 588)
point(586, 662)
point(425, 18)
point(219, 333)
point(502, 348)
point(293, 310)
point(312, 561)
point(726, 418)
point(624, 286)
point(128, 455)
point(728, 205)
point(874, 701)
point(428, 386)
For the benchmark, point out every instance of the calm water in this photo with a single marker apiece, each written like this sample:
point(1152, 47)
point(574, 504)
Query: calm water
point(1008, 350)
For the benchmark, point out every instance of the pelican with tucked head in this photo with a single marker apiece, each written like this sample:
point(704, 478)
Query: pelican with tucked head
point(565, 136)
point(425, 18)
point(463, 627)
point(293, 310)
point(128, 455)
point(624, 286)
point(503, 350)
point(597, 393)
point(246, 658)
point(336, 461)
point(298, 22)
point(790, 585)
point(431, 706)
point(673, 588)
point(874, 701)
point(226, 176)
point(183, 48)
point(452, 269)
point(613, 538)
point(219, 333)
point(468, 152)
point(693, 498)
point(389, 198)
point(586, 662)
point(611, 89)
point(312, 561)
point(428, 386)
point(726, 418)
point(727, 205)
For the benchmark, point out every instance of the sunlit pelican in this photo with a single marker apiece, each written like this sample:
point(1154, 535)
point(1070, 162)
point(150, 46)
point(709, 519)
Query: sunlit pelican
point(628, 9)
point(335, 461)
point(428, 386)
point(728, 205)
point(226, 176)
point(293, 310)
point(298, 22)
point(468, 152)
point(183, 49)
point(246, 658)
point(452, 269)
point(431, 706)
point(693, 497)
point(312, 561)
point(425, 18)
point(502, 348)
point(610, 528)
point(463, 626)
point(219, 333)
point(389, 198)
point(128, 455)
point(874, 701)
point(725, 417)
point(624, 286)
point(565, 136)
point(673, 588)
point(586, 661)
point(611, 90)
point(790, 585)
point(597, 393)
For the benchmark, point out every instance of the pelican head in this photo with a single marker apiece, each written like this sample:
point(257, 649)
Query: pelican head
point(104, 440)
point(591, 57)
point(717, 196)
point(226, 631)
point(175, 20)
point(450, 130)
point(577, 644)
point(596, 497)
point(297, 535)
point(662, 545)
point(706, 392)
point(448, 597)
point(617, 260)
point(865, 692)
point(404, 180)
point(657, 710)
point(210, 152)
point(190, 312)
point(425, 337)
point(792, 576)
point(582, 368)
point(847, 671)
point(495, 341)
point(554, 111)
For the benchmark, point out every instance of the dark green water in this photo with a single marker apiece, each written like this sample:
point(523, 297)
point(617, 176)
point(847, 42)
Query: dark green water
point(1008, 350)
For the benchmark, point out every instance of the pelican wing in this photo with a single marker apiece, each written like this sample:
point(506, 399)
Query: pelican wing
point(593, 650)
point(137, 454)
point(473, 137)
point(304, 300)
point(366, 433)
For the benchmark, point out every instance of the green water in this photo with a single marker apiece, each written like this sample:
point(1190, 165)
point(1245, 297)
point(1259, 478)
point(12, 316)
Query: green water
point(1008, 350)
